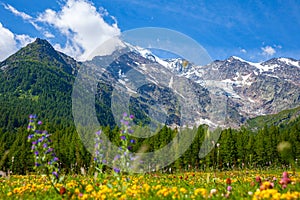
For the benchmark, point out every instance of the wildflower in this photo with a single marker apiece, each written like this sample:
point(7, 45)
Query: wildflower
point(30, 136)
point(229, 188)
point(213, 191)
point(116, 157)
point(98, 132)
point(123, 137)
point(55, 174)
point(130, 131)
point(228, 181)
point(258, 179)
point(32, 116)
point(132, 141)
point(62, 190)
point(55, 159)
point(117, 170)
point(40, 123)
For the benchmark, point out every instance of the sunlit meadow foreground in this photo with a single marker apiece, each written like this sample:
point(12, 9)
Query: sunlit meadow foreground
point(189, 185)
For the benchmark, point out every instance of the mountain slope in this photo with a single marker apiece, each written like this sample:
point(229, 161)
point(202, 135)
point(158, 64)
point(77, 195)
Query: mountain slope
point(37, 79)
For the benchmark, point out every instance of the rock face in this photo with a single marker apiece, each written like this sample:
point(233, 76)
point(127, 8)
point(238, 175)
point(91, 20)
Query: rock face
point(247, 89)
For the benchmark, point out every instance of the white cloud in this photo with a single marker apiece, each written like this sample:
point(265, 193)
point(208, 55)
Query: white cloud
point(243, 50)
point(10, 43)
point(23, 15)
point(17, 13)
point(23, 40)
point(268, 51)
point(47, 34)
point(83, 26)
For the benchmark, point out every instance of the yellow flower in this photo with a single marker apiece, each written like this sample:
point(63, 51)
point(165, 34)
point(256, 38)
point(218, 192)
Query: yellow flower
point(9, 194)
point(77, 191)
point(89, 188)
point(183, 190)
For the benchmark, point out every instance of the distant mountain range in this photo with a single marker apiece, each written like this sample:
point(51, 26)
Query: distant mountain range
point(39, 79)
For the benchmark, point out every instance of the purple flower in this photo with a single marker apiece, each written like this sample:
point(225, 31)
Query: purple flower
point(29, 127)
point(37, 164)
point(104, 161)
point(131, 116)
point(34, 143)
point(55, 159)
point(33, 147)
point(98, 132)
point(30, 136)
point(130, 131)
point(49, 150)
point(41, 139)
point(123, 137)
point(124, 114)
point(32, 116)
point(229, 188)
point(55, 174)
point(129, 147)
point(45, 145)
point(36, 153)
point(132, 141)
point(116, 157)
point(40, 123)
point(117, 170)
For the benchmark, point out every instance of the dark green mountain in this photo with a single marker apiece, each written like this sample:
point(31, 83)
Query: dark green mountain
point(36, 79)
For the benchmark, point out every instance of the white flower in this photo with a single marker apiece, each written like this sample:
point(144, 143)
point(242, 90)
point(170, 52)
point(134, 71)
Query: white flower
point(213, 191)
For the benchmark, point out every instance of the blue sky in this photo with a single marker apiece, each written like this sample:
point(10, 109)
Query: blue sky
point(253, 30)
